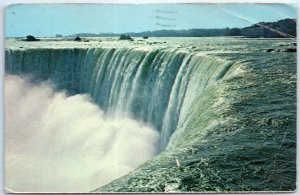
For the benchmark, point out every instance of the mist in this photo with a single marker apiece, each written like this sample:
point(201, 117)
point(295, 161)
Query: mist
point(60, 143)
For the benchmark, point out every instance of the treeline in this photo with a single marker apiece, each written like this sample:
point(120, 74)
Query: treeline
point(281, 28)
point(189, 33)
point(172, 33)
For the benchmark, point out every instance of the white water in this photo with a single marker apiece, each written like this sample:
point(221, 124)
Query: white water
point(84, 147)
point(56, 143)
point(149, 85)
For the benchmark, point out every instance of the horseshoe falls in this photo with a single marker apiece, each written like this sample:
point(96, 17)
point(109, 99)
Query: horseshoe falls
point(224, 108)
point(148, 85)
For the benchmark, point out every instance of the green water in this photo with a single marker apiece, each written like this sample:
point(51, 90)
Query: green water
point(246, 142)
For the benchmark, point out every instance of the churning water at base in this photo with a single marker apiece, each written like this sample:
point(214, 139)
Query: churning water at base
point(60, 143)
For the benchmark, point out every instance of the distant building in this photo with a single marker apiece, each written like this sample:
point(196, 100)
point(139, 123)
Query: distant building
point(58, 35)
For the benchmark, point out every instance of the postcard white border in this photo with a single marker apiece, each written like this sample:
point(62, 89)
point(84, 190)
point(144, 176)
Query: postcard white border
point(4, 3)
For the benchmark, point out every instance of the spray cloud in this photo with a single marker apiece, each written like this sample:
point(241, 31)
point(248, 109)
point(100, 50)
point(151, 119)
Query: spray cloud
point(60, 143)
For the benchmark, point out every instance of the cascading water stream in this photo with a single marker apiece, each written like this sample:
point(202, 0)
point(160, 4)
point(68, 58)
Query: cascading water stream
point(154, 86)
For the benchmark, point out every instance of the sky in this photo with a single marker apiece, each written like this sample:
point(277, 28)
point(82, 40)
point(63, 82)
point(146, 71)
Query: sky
point(44, 20)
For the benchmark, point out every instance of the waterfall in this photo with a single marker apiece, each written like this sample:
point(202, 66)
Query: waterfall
point(156, 86)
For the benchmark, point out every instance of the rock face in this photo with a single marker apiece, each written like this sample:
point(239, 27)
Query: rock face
point(290, 50)
point(77, 39)
point(284, 49)
point(125, 37)
point(31, 38)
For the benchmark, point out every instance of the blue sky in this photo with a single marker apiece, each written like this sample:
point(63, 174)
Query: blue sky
point(51, 19)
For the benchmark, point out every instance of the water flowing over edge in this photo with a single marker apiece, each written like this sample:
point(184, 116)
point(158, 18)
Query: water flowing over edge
point(156, 87)
point(174, 91)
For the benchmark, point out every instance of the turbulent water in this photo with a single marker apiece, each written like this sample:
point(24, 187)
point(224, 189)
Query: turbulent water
point(224, 107)
point(60, 143)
